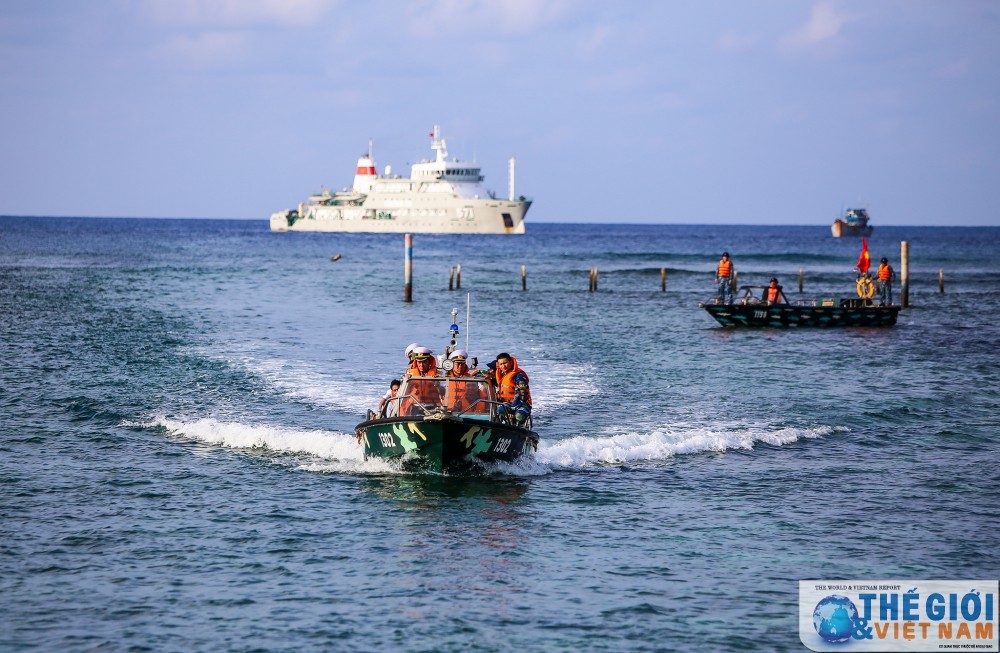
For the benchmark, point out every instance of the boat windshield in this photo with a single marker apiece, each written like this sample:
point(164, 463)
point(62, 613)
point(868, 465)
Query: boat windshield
point(470, 397)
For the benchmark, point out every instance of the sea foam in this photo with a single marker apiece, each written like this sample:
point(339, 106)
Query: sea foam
point(336, 451)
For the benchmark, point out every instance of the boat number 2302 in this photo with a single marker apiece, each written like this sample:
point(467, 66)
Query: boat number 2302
point(502, 445)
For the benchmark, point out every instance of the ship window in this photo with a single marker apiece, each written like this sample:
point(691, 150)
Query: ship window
point(508, 221)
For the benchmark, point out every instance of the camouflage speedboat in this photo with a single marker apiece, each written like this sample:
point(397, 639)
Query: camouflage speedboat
point(446, 434)
point(446, 423)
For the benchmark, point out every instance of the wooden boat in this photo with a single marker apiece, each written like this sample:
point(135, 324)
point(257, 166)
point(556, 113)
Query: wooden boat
point(750, 310)
point(854, 223)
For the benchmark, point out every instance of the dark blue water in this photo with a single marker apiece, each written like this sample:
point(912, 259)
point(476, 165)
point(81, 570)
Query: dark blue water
point(179, 472)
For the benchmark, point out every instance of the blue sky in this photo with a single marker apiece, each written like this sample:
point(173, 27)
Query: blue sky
point(715, 111)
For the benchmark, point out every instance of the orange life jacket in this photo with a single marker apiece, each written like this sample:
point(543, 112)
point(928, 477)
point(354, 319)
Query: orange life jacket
point(506, 388)
point(725, 268)
point(462, 395)
point(884, 272)
point(773, 293)
point(413, 371)
point(423, 391)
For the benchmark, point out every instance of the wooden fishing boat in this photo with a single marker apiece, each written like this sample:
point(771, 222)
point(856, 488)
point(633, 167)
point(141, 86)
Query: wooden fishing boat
point(750, 310)
point(854, 223)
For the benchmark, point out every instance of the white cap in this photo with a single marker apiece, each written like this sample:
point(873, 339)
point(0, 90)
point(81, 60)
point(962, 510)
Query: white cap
point(421, 351)
point(409, 349)
point(459, 353)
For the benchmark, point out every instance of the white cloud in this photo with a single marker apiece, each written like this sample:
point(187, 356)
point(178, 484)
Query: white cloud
point(732, 41)
point(825, 23)
point(509, 17)
point(205, 50)
point(228, 14)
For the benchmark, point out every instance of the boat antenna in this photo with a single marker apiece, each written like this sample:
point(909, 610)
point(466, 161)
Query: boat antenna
point(453, 329)
point(468, 308)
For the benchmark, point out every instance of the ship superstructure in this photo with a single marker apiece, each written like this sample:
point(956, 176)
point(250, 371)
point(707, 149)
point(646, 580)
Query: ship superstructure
point(439, 196)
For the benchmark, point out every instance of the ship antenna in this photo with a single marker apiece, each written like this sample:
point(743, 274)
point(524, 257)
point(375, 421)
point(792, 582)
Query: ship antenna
point(511, 180)
point(370, 149)
point(468, 309)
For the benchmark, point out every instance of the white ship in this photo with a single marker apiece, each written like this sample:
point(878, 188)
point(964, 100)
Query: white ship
point(439, 197)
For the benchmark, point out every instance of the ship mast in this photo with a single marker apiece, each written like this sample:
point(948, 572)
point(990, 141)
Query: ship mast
point(438, 144)
point(511, 180)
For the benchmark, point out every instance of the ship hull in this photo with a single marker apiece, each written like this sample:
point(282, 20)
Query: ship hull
point(444, 216)
point(786, 315)
point(447, 444)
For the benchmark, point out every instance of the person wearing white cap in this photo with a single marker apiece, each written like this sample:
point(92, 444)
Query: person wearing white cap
point(408, 352)
point(463, 394)
point(425, 391)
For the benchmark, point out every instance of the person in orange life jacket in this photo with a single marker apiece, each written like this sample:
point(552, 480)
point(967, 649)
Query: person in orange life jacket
point(774, 293)
point(724, 278)
point(463, 395)
point(425, 391)
point(512, 389)
point(408, 352)
point(885, 276)
point(389, 394)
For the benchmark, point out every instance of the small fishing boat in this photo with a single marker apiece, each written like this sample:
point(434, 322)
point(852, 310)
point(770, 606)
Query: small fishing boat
point(446, 424)
point(750, 310)
point(854, 223)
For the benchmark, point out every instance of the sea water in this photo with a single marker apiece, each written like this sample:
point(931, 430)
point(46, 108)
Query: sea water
point(179, 469)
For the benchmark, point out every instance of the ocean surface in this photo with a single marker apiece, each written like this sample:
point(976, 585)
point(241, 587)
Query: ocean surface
point(178, 470)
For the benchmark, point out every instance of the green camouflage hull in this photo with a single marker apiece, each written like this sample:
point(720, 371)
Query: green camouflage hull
point(446, 444)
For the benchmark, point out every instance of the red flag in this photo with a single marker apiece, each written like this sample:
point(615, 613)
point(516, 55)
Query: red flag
point(864, 261)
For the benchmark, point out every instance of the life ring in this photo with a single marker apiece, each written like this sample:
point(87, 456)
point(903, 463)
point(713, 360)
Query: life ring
point(866, 289)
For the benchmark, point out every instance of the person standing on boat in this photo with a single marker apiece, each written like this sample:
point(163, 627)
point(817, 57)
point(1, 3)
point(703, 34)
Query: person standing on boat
point(512, 389)
point(886, 275)
point(775, 294)
point(724, 278)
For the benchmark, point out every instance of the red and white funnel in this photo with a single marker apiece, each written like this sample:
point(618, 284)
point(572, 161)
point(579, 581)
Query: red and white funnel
point(365, 174)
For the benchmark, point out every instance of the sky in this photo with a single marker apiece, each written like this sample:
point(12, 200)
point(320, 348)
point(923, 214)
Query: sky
point(658, 111)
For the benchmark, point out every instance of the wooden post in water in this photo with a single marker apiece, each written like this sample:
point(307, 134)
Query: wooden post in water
point(458, 277)
point(941, 281)
point(663, 279)
point(408, 269)
point(800, 280)
point(524, 277)
point(451, 278)
point(595, 278)
point(904, 279)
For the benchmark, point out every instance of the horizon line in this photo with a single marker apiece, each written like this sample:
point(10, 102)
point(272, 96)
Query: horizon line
point(538, 222)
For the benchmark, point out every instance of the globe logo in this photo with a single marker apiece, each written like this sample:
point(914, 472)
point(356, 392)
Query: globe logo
point(834, 618)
